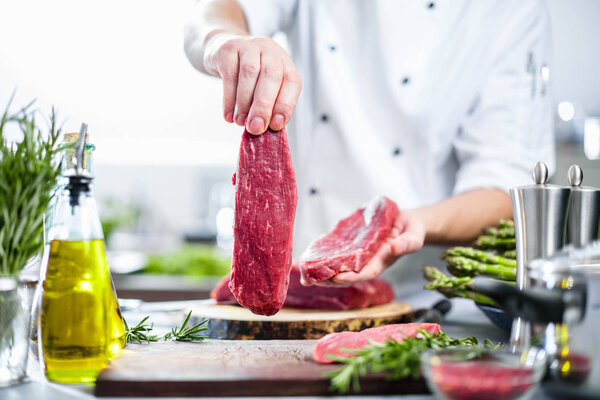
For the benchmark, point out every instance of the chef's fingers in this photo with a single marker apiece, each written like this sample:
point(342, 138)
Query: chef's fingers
point(326, 283)
point(304, 282)
point(287, 98)
point(265, 94)
point(249, 69)
point(406, 243)
point(228, 69)
point(370, 271)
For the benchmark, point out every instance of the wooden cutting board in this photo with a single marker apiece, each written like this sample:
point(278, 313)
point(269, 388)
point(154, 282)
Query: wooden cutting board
point(229, 368)
point(235, 322)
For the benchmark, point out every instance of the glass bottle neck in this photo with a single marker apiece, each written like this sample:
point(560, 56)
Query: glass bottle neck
point(76, 215)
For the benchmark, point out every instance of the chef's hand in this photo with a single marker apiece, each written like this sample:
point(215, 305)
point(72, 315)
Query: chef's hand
point(260, 82)
point(407, 236)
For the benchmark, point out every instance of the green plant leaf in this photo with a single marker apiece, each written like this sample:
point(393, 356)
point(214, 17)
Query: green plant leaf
point(29, 171)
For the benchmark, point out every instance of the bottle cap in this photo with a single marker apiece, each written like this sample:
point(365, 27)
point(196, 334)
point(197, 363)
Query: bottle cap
point(71, 137)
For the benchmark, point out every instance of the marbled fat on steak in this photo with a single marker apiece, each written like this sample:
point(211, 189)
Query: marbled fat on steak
point(333, 343)
point(351, 244)
point(265, 206)
point(359, 295)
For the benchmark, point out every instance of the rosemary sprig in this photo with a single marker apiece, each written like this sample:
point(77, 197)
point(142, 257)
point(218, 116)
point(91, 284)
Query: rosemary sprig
point(140, 332)
point(185, 334)
point(396, 359)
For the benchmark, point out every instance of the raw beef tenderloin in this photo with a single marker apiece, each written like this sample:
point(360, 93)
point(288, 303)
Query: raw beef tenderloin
point(351, 244)
point(333, 343)
point(265, 206)
point(360, 295)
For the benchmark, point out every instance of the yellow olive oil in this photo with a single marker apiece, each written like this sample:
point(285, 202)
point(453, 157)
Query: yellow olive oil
point(81, 324)
point(117, 325)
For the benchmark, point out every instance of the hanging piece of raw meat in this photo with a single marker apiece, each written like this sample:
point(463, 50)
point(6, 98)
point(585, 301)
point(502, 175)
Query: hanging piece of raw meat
point(265, 207)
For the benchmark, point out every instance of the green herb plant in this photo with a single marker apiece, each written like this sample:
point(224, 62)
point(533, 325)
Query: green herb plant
point(141, 332)
point(395, 359)
point(28, 174)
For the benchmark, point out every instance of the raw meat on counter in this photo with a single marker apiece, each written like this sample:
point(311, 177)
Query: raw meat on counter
point(359, 295)
point(351, 244)
point(265, 207)
point(333, 343)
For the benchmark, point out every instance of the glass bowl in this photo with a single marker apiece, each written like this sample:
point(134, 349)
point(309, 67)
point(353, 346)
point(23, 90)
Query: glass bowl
point(475, 373)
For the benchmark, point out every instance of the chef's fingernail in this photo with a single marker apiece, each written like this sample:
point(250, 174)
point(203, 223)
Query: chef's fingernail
point(229, 117)
point(240, 120)
point(277, 121)
point(257, 125)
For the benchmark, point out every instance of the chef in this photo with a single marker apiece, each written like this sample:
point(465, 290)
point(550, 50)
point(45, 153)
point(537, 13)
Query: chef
point(440, 105)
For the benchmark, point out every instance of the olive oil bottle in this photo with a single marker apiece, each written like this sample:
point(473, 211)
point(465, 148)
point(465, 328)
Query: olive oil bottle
point(80, 323)
point(75, 314)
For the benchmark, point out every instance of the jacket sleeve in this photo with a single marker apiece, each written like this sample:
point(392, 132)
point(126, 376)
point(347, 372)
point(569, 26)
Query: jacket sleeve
point(267, 17)
point(510, 126)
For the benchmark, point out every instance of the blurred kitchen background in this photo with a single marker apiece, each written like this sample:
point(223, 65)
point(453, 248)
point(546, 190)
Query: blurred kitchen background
point(164, 156)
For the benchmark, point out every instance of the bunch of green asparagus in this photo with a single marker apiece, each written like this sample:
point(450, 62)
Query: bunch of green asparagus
point(494, 255)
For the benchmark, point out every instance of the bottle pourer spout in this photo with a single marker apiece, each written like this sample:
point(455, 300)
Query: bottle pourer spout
point(79, 182)
point(80, 150)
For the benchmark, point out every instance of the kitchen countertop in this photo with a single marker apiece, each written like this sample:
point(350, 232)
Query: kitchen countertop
point(463, 320)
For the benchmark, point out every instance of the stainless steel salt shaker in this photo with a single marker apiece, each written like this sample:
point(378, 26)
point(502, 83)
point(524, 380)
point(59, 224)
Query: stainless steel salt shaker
point(540, 214)
point(584, 210)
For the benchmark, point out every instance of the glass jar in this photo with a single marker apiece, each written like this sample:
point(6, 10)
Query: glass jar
point(15, 306)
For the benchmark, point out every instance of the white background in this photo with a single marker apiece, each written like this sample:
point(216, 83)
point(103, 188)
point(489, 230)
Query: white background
point(119, 66)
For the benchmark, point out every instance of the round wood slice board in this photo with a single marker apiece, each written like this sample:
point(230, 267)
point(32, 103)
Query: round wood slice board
point(235, 322)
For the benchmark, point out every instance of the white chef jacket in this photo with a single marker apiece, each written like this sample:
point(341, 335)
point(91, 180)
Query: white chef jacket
point(414, 100)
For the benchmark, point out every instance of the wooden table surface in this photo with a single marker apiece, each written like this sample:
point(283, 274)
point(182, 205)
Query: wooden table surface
point(229, 368)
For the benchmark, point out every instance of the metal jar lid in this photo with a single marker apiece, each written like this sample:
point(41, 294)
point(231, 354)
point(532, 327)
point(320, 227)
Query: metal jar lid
point(584, 210)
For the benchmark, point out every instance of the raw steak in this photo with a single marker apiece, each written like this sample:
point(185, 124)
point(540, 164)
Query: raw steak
point(265, 206)
point(333, 343)
point(351, 244)
point(360, 295)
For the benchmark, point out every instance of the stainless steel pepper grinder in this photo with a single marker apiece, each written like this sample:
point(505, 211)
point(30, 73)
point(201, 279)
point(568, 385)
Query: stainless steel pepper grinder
point(540, 214)
point(584, 210)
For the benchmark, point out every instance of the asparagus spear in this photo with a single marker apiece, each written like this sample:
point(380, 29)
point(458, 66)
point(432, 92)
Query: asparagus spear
point(510, 254)
point(462, 266)
point(451, 286)
point(437, 279)
point(491, 242)
point(506, 223)
point(479, 255)
point(500, 232)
